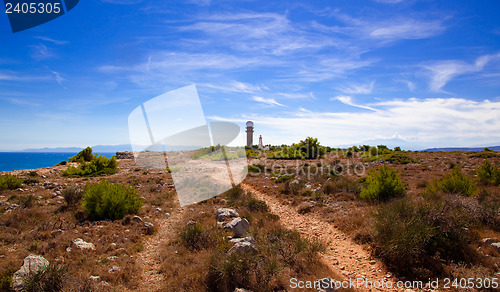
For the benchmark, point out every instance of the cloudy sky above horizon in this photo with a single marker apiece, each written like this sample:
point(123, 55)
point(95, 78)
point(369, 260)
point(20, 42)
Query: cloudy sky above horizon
point(419, 73)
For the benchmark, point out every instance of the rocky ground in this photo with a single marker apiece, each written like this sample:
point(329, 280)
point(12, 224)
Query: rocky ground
point(147, 252)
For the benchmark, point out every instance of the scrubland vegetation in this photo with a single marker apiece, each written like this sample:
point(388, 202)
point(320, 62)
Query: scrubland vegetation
point(423, 215)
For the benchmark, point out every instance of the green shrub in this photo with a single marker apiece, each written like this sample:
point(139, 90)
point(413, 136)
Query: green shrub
point(413, 238)
point(26, 201)
point(399, 157)
point(234, 194)
point(72, 195)
point(457, 182)
point(98, 165)
point(256, 205)
point(84, 155)
point(50, 279)
point(486, 153)
point(6, 279)
point(488, 173)
point(383, 184)
point(284, 178)
point(309, 148)
point(193, 236)
point(256, 168)
point(30, 181)
point(344, 184)
point(10, 182)
point(105, 200)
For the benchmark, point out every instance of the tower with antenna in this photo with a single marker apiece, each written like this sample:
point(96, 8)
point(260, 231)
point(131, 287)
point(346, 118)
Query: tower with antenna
point(249, 133)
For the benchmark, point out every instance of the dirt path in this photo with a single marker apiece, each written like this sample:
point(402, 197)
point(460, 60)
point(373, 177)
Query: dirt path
point(342, 255)
point(152, 279)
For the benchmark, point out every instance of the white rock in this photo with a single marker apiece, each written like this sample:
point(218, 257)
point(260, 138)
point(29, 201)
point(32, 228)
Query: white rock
point(243, 246)
point(244, 239)
point(113, 269)
point(148, 225)
point(31, 264)
point(136, 219)
point(81, 244)
point(239, 227)
point(224, 213)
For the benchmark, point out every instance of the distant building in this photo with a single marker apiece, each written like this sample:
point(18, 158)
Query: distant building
point(261, 146)
point(249, 133)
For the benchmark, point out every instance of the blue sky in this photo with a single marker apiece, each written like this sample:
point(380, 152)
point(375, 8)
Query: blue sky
point(426, 72)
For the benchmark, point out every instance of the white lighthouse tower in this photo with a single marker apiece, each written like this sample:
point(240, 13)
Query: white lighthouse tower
point(261, 145)
point(249, 133)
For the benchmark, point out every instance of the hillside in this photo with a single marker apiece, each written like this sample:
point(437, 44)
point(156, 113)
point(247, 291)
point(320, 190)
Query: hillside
point(306, 219)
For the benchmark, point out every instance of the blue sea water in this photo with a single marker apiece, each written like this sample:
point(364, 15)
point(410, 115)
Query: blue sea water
point(32, 160)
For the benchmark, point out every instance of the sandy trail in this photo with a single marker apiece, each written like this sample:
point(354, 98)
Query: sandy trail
point(342, 255)
point(152, 279)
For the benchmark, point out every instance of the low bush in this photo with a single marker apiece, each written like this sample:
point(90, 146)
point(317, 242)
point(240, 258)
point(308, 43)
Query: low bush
point(105, 200)
point(26, 201)
point(256, 168)
point(486, 153)
point(278, 250)
point(488, 173)
point(72, 195)
point(192, 236)
point(98, 165)
point(256, 205)
point(456, 182)
point(399, 157)
point(10, 182)
point(417, 238)
point(292, 187)
point(84, 155)
point(383, 184)
point(344, 184)
point(284, 178)
point(50, 279)
point(6, 280)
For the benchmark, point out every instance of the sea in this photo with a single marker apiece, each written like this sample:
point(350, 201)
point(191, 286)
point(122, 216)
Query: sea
point(31, 160)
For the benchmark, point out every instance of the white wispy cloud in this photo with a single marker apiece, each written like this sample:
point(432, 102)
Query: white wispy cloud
point(359, 88)
point(433, 121)
point(59, 79)
point(408, 29)
point(57, 42)
point(236, 86)
point(349, 101)
point(268, 101)
point(444, 71)
point(9, 75)
point(265, 33)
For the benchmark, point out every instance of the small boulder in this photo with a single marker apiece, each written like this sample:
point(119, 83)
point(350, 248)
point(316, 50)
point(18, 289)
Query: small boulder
point(496, 245)
point(242, 247)
point(113, 269)
point(244, 239)
point(31, 264)
point(239, 227)
point(487, 241)
point(81, 244)
point(148, 225)
point(224, 213)
point(136, 219)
